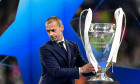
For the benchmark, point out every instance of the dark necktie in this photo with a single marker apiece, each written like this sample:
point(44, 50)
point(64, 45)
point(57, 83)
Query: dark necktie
point(62, 47)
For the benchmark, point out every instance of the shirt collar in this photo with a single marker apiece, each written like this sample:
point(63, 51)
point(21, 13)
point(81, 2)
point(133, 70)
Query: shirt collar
point(60, 41)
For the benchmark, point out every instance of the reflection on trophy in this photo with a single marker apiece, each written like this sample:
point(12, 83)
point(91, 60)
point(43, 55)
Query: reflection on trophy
point(101, 42)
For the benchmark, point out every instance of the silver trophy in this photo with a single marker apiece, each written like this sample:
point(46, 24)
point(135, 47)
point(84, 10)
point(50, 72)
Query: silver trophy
point(101, 42)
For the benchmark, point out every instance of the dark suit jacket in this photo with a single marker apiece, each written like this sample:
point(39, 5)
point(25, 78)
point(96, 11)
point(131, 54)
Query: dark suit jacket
point(59, 68)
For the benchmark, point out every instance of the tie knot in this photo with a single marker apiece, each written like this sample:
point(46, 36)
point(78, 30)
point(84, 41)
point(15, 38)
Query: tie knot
point(61, 43)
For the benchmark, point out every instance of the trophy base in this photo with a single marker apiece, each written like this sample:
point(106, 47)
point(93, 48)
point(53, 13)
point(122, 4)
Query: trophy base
point(100, 77)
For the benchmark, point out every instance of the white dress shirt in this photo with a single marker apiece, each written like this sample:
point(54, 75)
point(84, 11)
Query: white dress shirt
point(64, 44)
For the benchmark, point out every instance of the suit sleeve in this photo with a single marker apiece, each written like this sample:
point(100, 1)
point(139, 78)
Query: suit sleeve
point(81, 62)
point(51, 64)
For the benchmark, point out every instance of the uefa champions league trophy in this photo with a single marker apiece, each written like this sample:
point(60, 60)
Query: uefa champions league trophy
point(101, 42)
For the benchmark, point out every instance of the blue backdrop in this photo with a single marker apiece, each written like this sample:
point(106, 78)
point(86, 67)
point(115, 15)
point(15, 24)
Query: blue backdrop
point(25, 36)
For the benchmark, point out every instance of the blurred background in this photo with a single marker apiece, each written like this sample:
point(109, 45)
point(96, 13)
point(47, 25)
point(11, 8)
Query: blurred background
point(8, 10)
point(15, 68)
point(9, 70)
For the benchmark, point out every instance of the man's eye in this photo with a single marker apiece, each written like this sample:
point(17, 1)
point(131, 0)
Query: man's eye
point(53, 30)
point(48, 31)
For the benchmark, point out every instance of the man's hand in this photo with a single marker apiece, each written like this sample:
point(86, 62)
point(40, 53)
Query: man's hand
point(87, 68)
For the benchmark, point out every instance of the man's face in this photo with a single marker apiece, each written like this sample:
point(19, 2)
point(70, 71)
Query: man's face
point(54, 31)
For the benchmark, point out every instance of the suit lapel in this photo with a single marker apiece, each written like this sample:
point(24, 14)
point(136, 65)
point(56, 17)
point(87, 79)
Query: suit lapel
point(68, 51)
point(57, 48)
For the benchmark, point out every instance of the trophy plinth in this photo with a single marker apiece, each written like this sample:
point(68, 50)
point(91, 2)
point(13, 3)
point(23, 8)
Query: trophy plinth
point(100, 77)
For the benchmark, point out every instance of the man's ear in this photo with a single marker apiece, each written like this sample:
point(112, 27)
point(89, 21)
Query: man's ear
point(62, 27)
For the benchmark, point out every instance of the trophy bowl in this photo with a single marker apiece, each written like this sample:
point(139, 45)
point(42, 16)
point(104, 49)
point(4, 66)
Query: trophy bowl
point(100, 39)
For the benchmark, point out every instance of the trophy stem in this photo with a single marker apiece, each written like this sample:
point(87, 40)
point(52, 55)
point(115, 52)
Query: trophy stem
point(100, 77)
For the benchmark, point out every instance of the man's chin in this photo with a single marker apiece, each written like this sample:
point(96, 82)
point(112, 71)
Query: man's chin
point(54, 39)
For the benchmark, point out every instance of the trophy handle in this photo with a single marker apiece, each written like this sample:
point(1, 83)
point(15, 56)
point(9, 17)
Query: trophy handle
point(117, 38)
point(124, 27)
point(85, 42)
point(80, 26)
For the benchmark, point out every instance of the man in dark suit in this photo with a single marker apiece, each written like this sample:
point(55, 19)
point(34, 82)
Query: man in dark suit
point(61, 59)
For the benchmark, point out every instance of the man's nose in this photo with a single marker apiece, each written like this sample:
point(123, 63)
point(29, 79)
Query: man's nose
point(50, 33)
